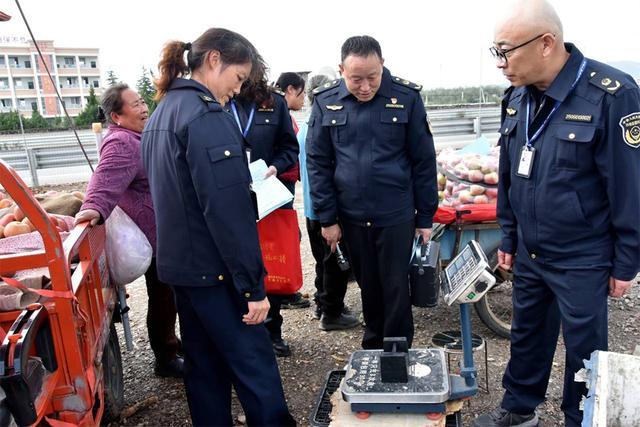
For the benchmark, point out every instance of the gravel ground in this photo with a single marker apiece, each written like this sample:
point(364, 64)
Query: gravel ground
point(316, 352)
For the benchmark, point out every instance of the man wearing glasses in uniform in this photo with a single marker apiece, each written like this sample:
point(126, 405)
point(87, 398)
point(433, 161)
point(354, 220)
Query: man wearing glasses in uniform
point(568, 204)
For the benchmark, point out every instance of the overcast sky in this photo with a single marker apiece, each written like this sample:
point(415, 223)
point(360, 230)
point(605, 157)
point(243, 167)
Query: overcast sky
point(436, 43)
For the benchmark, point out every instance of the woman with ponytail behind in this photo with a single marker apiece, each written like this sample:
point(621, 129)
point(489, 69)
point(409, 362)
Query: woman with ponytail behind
point(208, 248)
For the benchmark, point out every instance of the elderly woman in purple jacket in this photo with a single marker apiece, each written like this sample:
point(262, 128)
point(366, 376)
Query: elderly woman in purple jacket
point(120, 180)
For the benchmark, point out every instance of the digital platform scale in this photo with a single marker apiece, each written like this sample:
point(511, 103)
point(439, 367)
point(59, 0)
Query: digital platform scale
point(401, 380)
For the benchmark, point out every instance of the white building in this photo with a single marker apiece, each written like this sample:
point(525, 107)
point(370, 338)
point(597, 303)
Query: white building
point(25, 85)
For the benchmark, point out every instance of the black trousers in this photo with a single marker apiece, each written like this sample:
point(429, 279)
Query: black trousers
point(274, 320)
point(221, 351)
point(330, 281)
point(380, 262)
point(161, 317)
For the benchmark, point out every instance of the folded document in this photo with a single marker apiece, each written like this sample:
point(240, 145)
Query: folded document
point(270, 192)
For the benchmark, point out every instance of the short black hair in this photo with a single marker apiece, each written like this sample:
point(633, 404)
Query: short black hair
point(360, 46)
point(290, 79)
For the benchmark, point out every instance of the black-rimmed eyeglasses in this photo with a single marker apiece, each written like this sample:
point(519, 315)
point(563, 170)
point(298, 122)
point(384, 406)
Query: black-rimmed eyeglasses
point(501, 54)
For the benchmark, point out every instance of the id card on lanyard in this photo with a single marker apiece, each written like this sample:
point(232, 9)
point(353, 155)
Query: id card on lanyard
point(244, 131)
point(528, 152)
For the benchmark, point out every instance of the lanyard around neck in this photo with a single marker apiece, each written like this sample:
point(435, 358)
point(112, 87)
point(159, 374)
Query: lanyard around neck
point(544, 124)
point(244, 132)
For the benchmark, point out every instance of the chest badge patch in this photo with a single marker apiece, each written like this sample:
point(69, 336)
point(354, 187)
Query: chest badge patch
point(511, 111)
point(335, 107)
point(630, 125)
point(265, 108)
point(578, 118)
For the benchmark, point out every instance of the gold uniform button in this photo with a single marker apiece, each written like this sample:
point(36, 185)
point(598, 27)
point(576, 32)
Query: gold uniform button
point(333, 122)
point(395, 119)
point(572, 136)
point(266, 121)
point(533, 256)
point(221, 277)
point(227, 153)
point(368, 224)
point(247, 294)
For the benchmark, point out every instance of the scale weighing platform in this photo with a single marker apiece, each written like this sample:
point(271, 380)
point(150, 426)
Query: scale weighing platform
point(426, 389)
point(401, 380)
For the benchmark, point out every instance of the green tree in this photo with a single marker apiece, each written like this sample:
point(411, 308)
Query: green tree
point(146, 89)
point(36, 121)
point(9, 121)
point(90, 112)
point(112, 80)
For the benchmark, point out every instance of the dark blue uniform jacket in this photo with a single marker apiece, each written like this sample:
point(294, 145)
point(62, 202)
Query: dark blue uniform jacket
point(372, 163)
point(195, 160)
point(580, 206)
point(271, 136)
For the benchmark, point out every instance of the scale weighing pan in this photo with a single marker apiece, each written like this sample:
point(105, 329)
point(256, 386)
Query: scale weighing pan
point(428, 379)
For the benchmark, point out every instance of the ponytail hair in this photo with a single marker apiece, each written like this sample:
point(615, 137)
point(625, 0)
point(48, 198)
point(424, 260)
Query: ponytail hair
point(170, 67)
point(233, 48)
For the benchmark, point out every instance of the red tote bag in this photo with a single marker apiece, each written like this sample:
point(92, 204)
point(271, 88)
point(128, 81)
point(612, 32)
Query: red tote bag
point(280, 244)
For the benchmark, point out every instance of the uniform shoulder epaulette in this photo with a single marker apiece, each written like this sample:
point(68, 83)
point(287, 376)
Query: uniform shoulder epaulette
point(277, 90)
point(607, 84)
point(206, 98)
point(326, 86)
point(407, 83)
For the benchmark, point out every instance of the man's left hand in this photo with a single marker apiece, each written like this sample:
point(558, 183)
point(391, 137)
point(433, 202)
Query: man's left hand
point(618, 288)
point(425, 233)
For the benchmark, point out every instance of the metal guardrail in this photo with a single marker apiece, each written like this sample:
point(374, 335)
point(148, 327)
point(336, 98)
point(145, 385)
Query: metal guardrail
point(60, 149)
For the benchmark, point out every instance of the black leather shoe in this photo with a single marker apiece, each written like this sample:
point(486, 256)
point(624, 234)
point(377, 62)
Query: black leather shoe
point(502, 418)
point(344, 321)
point(317, 312)
point(281, 348)
point(173, 369)
point(295, 301)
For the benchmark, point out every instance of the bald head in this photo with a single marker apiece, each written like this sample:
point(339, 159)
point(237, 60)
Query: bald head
point(530, 17)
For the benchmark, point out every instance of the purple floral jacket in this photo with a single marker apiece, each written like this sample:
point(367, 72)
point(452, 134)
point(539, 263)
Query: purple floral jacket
point(120, 180)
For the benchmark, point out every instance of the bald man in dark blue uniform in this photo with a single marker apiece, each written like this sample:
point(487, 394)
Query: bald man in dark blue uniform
point(372, 174)
point(568, 204)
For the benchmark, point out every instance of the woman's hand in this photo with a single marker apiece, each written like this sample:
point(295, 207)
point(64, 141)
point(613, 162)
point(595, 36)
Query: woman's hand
point(271, 171)
point(258, 311)
point(91, 215)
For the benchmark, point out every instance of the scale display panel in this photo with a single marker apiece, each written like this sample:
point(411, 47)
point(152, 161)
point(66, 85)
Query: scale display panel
point(468, 276)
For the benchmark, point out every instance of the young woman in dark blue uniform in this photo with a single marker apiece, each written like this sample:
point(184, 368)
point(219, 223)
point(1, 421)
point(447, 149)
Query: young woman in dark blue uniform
point(207, 238)
point(262, 114)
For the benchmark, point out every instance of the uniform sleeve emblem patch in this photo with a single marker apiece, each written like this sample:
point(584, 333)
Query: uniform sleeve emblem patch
point(630, 125)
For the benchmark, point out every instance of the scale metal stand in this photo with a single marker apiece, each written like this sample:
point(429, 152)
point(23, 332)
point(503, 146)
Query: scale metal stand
point(401, 380)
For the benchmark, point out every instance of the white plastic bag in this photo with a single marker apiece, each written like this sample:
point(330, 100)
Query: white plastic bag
point(128, 250)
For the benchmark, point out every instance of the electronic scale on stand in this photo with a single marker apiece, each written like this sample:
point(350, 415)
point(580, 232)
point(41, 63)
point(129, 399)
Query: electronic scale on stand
point(398, 380)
